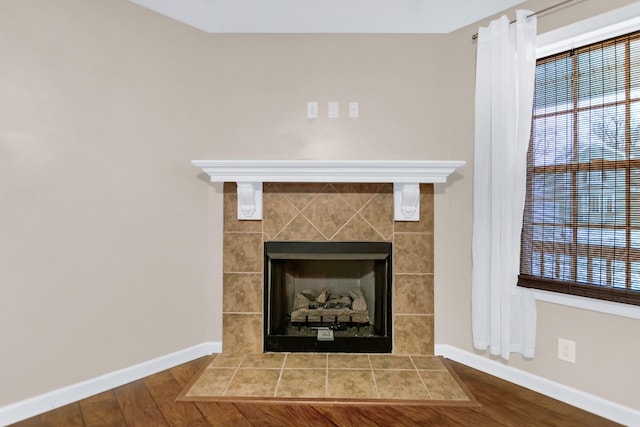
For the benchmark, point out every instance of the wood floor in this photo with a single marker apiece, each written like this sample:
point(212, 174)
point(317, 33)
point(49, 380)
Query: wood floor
point(150, 402)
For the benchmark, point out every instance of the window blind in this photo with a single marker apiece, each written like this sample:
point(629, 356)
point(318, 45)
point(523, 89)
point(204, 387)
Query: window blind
point(581, 227)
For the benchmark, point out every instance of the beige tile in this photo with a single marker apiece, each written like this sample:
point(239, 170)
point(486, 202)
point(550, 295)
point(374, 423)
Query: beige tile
point(354, 384)
point(413, 294)
point(443, 386)
point(426, 213)
point(254, 382)
point(225, 360)
point(212, 382)
point(389, 361)
point(242, 252)
point(349, 361)
point(300, 229)
point(413, 334)
point(328, 212)
point(242, 333)
point(413, 253)
point(278, 211)
point(430, 363)
point(306, 360)
point(299, 193)
point(303, 383)
point(263, 361)
point(231, 222)
point(379, 213)
point(400, 385)
point(242, 293)
point(357, 229)
point(359, 194)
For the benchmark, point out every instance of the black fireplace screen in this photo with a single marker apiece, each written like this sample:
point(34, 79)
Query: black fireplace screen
point(327, 297)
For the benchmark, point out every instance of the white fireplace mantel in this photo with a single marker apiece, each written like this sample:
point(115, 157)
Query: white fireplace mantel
point(406, 176)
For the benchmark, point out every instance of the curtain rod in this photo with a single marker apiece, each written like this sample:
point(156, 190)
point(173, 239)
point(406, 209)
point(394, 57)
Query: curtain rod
point(475, 36)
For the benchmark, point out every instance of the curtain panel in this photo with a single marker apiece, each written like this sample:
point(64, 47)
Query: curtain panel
point(503, 315)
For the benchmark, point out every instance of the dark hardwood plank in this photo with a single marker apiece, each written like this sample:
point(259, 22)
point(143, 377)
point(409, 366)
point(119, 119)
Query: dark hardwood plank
point(520, 403)
point(432, 417)
point(184, 373)
point(68, 415)
point(137, 405)
point(350, 416)
point(164, 388)
point(275, 414)
point(102, 410)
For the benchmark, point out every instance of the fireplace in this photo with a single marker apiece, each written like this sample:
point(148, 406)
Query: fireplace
point(327, 297)
point(328, 201)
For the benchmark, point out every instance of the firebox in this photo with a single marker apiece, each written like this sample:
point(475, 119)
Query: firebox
point(327, 297)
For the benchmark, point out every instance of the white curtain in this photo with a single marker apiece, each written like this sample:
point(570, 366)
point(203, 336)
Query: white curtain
point(503, 315)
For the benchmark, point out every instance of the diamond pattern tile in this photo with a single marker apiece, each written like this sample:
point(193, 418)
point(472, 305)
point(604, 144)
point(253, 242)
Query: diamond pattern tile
point(328, 213)
point(357, 229)
point(302, 193)
point(300, 229)
point(278, 211)
point(379, 213)
point(358, 195)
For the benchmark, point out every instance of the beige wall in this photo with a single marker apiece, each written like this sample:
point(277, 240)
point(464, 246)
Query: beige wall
point(607, 346)
point(110, 239)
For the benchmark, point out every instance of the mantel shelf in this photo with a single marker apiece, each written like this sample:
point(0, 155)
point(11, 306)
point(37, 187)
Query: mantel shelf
point(406, 176)
point(393, 171)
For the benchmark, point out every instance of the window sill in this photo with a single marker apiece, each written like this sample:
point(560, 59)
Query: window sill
point(614, 308)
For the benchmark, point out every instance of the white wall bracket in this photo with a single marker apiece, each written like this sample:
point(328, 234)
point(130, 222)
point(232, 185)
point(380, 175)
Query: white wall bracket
point(250, 200)
point(406, 201)
point(405, 175)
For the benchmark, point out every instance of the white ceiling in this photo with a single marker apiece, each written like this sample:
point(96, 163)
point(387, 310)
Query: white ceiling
point(328, 16)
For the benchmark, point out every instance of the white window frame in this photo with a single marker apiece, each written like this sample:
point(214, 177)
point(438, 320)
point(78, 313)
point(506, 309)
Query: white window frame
point(611, 24)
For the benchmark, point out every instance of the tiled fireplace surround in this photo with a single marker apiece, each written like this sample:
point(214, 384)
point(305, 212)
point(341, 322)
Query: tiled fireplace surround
point(328, 212)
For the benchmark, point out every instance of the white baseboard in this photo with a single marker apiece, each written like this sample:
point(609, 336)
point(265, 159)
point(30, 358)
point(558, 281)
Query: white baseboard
point(54, 399)
point(594, 404)
point(45, 402)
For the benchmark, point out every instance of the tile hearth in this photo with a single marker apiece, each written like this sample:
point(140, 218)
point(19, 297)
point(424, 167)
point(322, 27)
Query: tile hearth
point(336, 377)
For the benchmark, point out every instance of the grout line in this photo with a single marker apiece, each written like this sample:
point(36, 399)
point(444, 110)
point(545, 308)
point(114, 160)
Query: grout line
point(241, 232)
point(314, 226)
point(373, 377)
point(224, 393)
point(413, 274)
point(284, 359)
point(241, 312)
point(275, 237)
point(326, 377)
point(301, 214)
point(413, 314)
point(377, 369)
point(420, 376)
point(393, 222)
point(242, 272)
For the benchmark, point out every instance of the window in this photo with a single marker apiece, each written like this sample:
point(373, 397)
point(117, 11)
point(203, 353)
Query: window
point(581, 228)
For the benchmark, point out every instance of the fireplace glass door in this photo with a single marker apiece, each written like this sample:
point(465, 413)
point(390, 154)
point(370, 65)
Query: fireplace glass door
point(327, 297)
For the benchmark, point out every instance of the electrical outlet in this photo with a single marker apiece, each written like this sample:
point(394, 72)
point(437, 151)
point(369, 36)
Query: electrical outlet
point(567, 350)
